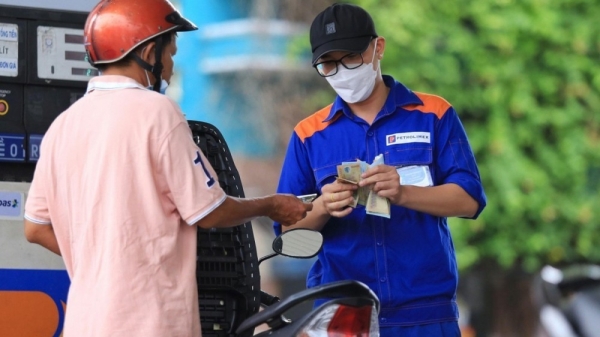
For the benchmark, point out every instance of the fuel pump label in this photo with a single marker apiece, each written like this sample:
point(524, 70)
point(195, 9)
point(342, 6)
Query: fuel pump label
point(11, 205)
point(9, 50)
point(35, 142)
point(12, 148)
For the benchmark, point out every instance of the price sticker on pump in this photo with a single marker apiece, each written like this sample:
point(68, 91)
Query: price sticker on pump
point(12, 148)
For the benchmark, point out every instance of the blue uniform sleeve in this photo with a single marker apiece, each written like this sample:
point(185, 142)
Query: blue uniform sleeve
point(455, 160)
point(296, 174)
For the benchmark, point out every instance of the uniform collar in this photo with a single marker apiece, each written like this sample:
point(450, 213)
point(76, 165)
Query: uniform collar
point(112, 82)
point(398, 96)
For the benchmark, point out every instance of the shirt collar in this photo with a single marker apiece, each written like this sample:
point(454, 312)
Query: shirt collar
point(398, 96)
point(112, 82)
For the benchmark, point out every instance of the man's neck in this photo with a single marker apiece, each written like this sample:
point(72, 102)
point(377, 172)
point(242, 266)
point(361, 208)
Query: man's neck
point(133, 72)
point(369, 108)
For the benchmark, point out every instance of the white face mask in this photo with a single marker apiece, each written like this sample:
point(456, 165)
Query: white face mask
point(163, 84)
point(355, 85)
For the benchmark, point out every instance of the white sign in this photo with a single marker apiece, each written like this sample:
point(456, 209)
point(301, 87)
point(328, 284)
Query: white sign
point(61, 54)
point(11, 205)
point(9, 49)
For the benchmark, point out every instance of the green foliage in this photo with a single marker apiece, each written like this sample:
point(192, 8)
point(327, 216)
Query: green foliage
point(524, 77)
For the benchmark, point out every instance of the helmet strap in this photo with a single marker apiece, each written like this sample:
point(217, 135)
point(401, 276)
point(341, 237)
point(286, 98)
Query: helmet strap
point(155, 69)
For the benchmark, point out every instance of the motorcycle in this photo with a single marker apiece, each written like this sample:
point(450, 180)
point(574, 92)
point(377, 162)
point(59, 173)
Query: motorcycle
point(229, 279)
point(353, 311)
point(568, 299)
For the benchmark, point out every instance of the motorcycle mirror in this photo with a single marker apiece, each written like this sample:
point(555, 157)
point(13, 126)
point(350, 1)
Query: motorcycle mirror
point(299, 243)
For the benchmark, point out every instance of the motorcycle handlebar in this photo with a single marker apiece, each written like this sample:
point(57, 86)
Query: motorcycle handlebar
point(347, 288)
point(268, 299)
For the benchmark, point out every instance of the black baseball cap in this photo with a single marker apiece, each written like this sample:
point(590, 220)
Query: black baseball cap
point(341, 27)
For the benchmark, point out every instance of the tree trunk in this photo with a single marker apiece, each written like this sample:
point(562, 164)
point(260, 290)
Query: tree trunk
point(500, 301)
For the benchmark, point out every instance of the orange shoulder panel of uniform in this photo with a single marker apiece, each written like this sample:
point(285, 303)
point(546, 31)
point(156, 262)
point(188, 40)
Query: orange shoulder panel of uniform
point(313, 123)
point(431, 104)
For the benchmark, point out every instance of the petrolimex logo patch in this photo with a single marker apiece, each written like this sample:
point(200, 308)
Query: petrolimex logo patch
point(408, 137)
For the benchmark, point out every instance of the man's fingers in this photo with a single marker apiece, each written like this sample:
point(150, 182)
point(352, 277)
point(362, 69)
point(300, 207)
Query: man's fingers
point(375, 170)
point(383, 186)
point(342, 213)
point(390, 177)
point(371, 179)
point(337, 196)
point(340, 187)
point(337, 203)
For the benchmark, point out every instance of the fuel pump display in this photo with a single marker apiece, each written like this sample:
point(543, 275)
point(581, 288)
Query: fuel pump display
point(43, 71)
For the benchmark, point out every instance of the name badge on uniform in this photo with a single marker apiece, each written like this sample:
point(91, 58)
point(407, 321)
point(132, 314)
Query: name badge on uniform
point(415, 175)
point(407, 137)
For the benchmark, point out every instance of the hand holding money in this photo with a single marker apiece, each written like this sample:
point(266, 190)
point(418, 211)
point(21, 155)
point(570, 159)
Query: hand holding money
point(350, 173)
point(385, 182)
point(378, 205)
point(336, 197)
point(307, 197)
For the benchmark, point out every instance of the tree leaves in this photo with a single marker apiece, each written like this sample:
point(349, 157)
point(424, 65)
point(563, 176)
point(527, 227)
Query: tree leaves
point(525, 80)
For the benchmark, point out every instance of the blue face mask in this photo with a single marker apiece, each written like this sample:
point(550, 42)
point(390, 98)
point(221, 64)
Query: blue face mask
point(163, 84)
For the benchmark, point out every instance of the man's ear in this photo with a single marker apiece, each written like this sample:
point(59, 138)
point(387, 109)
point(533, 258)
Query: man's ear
point(147, 53)
point(380, 47)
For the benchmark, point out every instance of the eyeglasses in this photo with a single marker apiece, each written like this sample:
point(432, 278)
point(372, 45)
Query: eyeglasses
point(330, 68)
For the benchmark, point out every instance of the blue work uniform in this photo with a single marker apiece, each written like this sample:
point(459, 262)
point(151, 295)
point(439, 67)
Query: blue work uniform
point(408, 260)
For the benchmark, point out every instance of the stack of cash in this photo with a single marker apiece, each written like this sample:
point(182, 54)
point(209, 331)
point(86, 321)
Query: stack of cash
point(350, 173)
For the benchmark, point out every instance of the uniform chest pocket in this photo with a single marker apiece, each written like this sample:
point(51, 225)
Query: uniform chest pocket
point(413, 164)
point(325, 175)
point(409, 155)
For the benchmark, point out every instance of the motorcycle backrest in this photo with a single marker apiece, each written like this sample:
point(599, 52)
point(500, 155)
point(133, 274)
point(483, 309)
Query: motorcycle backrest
point(227, 267)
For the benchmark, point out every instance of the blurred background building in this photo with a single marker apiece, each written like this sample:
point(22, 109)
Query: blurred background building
point(247, 71)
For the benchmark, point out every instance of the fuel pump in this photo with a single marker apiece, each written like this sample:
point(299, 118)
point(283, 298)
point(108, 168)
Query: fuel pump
point(43, 70)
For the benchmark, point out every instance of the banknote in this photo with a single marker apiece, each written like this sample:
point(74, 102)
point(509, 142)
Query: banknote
point(349, 172)
point(307, 197)
point(377, 205)
point(363, 192)
point(362, 195)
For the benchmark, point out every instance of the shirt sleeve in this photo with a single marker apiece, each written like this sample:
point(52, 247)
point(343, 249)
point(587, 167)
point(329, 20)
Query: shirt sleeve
point(297, 176)
point(455, 160)
point(36, 206)
point(192, 182)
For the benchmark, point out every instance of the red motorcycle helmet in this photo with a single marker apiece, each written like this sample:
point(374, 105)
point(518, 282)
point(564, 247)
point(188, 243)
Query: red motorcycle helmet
point(116, 27)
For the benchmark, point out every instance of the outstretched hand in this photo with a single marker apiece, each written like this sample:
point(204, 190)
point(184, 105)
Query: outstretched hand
point(385, 182)
point(288, 209)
